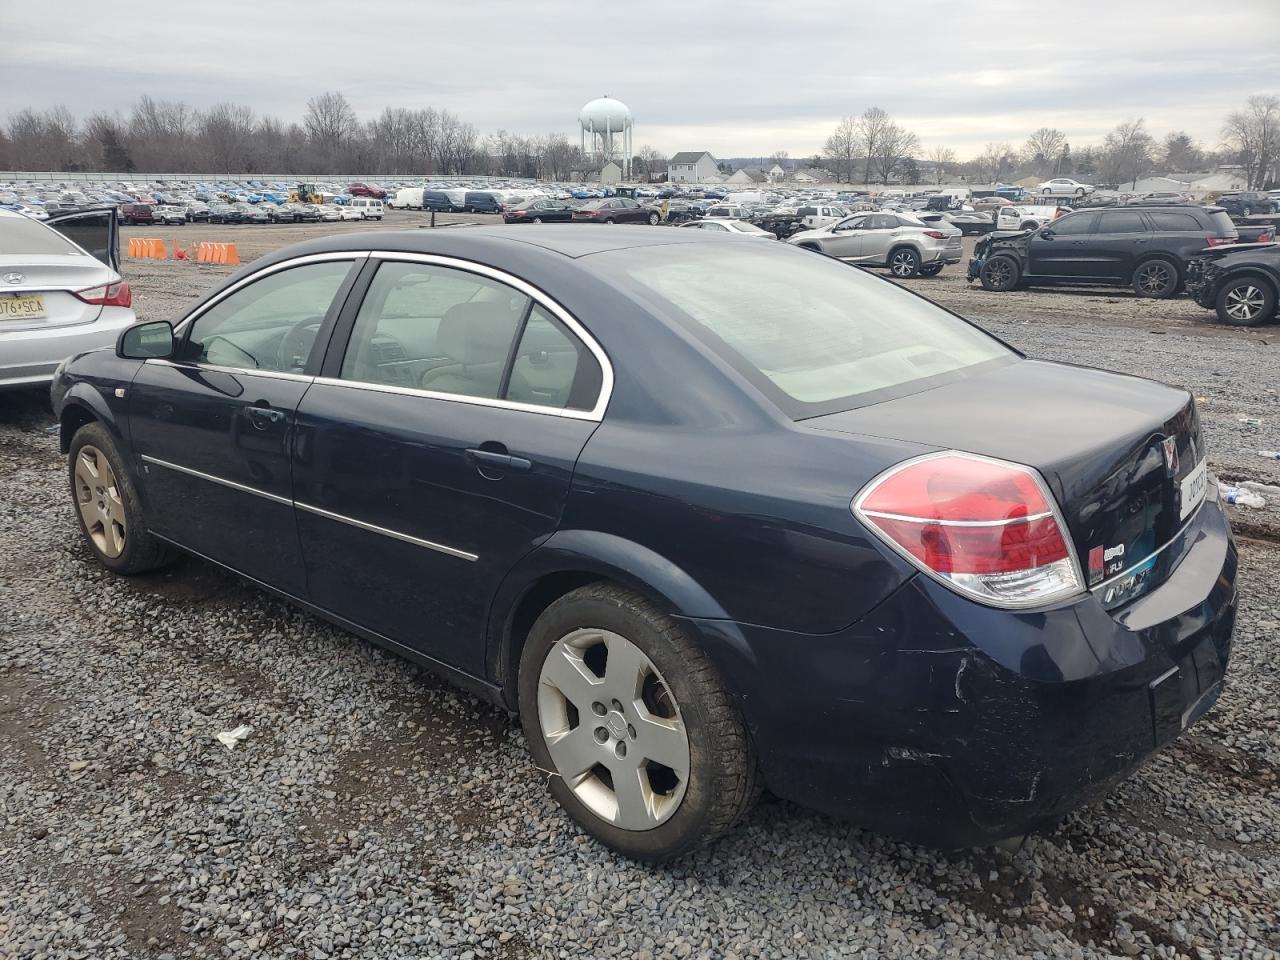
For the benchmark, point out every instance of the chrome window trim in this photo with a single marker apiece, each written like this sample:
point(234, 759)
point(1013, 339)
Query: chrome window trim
point(596, 412)
point(274, 498)
point(458, 398)
point(393, 534)
point(319, 511)
point(200, 309)
point(236, 371)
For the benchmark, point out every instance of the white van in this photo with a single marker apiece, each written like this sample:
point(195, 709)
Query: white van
point(370, 209)
point(406, 198)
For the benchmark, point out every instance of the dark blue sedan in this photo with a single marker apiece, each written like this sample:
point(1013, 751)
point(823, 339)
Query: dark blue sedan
point(711, 515)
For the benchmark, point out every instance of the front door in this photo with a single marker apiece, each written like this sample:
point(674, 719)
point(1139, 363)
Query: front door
point(1064, 248)
point(212, 428)
point(876, 235)
point(845, 240)
point(437, 449)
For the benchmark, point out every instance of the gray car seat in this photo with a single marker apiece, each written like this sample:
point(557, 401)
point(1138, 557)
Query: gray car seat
point(476, 336)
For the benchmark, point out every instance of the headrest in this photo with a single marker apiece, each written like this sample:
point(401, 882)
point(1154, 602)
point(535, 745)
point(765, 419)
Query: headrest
point(477, 331)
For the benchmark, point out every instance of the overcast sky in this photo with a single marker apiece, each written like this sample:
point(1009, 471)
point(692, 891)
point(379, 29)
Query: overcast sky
point(738, 78)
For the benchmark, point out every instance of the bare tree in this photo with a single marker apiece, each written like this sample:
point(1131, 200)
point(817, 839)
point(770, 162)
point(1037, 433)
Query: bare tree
point(994, 162)
point(1254, 135)
point(331, 125)
point(941, 158)
point(894, 147)
point(229, 135)
point(650, 162)
point(106, 142)
point(1043, 150)
point(872, 127)
point(162, 133)
point(1127, 152)
point(44, 140)
point(841, 148)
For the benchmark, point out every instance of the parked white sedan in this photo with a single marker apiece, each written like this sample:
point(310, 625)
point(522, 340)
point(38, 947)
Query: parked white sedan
point(1065, 187)
point(739, 227)
point(57, 298)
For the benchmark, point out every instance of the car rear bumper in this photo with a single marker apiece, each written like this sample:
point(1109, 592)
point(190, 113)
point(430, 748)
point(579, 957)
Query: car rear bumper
point(945, 722)
point(28, 358)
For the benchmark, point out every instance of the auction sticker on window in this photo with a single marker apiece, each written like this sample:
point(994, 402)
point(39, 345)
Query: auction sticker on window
point(25, 307)
point(1194, 485)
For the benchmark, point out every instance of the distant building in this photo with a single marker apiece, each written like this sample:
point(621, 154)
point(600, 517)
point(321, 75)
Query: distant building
point(810, 175)
point(746, 176)
point(611, 173)
point(777, 174)
point(692, 166)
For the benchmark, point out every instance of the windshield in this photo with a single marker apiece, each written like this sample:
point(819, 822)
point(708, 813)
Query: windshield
point(815, 334)
point(18, 235)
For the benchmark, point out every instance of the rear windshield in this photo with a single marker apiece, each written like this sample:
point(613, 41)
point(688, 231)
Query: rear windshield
point(18, 235)
point(815, 335)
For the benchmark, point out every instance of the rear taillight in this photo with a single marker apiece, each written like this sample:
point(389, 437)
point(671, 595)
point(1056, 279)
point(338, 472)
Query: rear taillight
point(1266, 237)
point(988, 529)
point(108, 295)
point(935, 234)
point(1220, 241)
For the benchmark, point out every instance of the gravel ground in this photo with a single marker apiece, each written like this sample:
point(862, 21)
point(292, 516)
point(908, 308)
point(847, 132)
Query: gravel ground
point(375, 812)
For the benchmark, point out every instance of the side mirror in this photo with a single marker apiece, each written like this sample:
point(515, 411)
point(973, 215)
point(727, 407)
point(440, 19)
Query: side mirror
point(146, 341)
point(1046, 234)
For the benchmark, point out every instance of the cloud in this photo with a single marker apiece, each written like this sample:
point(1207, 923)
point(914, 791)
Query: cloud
point(739, 80)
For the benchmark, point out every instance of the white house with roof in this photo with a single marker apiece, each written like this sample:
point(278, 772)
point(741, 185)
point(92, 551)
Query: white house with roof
point(692, 166)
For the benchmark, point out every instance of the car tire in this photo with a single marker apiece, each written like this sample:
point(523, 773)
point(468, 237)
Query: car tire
point(107, 505)
point(654, 219)
point(1045, 192)
point(1247, 211)
point(1079, 191)
point(537, 219)
point(1246, 301)
point(1000, 274)
point(1028, 225)
point(610, 222)
point(932, 270)
point(904, 263)
point(682, 710)
point(1156, 279)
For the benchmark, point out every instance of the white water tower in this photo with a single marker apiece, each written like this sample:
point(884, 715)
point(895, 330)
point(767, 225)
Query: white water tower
point(606, 133)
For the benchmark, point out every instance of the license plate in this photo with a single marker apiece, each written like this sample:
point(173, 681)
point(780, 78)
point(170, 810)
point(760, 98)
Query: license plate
point(1193, 489)
point(25, 307)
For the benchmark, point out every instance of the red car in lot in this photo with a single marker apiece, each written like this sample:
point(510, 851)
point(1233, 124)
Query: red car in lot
point(615, 210)
point(364, 190)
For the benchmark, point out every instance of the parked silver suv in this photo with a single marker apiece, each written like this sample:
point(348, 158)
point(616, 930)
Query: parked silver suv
point(906, 245)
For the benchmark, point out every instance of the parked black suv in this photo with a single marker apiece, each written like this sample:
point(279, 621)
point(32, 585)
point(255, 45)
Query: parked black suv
point(1247, 203)
point(1143, 247)
point(1241, 283)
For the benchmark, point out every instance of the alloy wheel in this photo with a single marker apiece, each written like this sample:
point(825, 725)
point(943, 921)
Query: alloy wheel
point(1154, 278)
point(1244, 302)
point(613, 729)
point(903, 265)
point(98, 497)
point(998, 273)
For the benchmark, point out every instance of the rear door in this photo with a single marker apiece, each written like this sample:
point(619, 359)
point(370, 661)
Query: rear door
point(1064, 248)
point(212, 428)
point(1120, 238)
point(437, 447)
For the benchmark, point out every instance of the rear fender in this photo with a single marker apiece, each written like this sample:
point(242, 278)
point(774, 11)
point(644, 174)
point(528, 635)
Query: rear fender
point(588, 555)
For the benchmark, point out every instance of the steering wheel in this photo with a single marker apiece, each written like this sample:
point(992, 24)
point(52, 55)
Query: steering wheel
point(295, 345)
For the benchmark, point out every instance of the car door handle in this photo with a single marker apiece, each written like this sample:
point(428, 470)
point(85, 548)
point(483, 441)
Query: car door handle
point(499, 460)
point(263, 417)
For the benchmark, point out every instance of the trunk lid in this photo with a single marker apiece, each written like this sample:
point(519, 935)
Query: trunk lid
point(48, 281)
point(1123, 456)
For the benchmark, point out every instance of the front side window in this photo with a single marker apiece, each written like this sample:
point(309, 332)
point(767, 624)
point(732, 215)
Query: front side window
point(271, 324)
point(815, 335)
point(1074, 225)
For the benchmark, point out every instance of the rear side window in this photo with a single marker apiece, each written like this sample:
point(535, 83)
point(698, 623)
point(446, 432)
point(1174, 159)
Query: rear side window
point(1176, 222)
point(1129, 222)
point(552, 368)
point(19, 236)
point(1221, 222)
